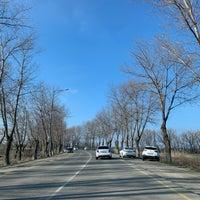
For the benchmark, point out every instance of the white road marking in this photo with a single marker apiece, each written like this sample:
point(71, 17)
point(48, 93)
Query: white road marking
point(70, 179)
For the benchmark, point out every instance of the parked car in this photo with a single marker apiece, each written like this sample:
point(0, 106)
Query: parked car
point(103, 152)
point(150, 152)
point(127, 152)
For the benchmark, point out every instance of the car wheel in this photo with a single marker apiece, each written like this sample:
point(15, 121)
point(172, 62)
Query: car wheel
point(143, 158)
point(96, 158)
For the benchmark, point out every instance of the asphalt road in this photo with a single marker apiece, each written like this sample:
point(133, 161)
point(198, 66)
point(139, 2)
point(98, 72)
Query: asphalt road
point(81, 176)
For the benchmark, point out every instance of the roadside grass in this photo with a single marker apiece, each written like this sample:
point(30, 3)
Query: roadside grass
point(27, 156)
point(186, 160)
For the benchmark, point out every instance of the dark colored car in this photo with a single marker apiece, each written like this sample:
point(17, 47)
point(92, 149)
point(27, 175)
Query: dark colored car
point(70, 150)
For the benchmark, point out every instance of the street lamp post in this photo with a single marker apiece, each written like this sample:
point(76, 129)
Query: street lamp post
point(51, 119)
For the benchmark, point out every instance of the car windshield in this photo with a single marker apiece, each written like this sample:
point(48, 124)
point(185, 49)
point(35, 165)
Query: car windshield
point(103, 147)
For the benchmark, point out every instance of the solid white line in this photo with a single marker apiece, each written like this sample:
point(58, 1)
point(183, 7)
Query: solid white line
point(70, 179)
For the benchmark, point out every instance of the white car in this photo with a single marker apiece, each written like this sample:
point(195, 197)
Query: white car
point(127, 152)
point(103, 152)
point(150, 152)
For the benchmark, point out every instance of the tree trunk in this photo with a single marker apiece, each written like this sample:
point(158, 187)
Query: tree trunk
point(36, 149)
point(17, 150)
point(166, 142)
point(20, 151)
point(127, 139)
point(127, 133)
point(122, 143)
point(137, 141)
point(93, 143)
point(131, 142)
point(47, 149)
point(60, 148)
point(8, 148)
point(117, 146)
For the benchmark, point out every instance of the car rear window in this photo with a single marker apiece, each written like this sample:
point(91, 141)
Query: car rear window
point(103, 147)
point(151, 148)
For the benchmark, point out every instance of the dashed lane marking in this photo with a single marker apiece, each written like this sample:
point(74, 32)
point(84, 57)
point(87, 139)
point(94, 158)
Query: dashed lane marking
point(68, 180)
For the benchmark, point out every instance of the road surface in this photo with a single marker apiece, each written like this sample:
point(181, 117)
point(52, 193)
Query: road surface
point(80, 176)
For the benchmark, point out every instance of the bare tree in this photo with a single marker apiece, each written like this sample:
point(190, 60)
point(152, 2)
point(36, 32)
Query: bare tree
point(90, 134)
point(35, 129)
point(190, 141)
point(21, 132)
point(184, 12)
point(41, 104)
point(117, 124)
point(12, 86)
point(104, 122)
point(16, 51)
point(144, 108)
point(186, 17)
point(58, 128)
point(168, 80)
point(124, 112)
point(74, 135)
point(49, 119)
point(12, 15)
point(134, 108)
point(149, 137)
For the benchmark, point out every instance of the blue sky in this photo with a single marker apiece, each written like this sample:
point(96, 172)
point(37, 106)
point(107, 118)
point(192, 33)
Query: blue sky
point(84, 43)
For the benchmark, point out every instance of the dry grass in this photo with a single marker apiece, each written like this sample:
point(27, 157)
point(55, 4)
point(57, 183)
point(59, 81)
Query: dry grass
point(26, 156)
point(182, 159)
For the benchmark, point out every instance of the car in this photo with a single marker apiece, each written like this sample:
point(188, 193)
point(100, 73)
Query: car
point(103, 152)
point(127, 152)
point(150, 152)
point(70, 150)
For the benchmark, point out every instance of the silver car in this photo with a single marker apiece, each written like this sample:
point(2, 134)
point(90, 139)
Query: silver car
point(127, 152)
point(103, 152)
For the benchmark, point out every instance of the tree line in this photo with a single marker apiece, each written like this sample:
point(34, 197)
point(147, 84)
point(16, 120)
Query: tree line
point(87, 135)
point(31, 116)
point(163, 76)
